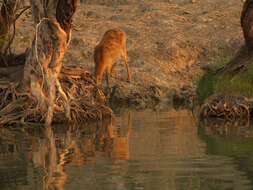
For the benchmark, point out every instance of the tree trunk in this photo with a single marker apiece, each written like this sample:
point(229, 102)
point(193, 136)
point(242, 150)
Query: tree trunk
point(52, 36)
point(243, 58)
point(7, 20)
point(247, 23)
point(47, 92)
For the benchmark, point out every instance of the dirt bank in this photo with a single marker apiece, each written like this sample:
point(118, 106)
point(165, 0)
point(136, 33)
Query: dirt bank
point(168, 42)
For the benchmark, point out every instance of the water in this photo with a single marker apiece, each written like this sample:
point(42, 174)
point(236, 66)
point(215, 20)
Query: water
point(137, 150)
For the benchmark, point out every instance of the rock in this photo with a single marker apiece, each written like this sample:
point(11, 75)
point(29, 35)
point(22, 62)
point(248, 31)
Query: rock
point(117, 95)
point(183, 98)
point(136, 100)
point(155, 93)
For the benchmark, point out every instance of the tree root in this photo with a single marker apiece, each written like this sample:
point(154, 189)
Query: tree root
point(226, 107)
point(86, 101)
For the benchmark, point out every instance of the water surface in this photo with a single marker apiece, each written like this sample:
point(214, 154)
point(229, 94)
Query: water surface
point(136, 150)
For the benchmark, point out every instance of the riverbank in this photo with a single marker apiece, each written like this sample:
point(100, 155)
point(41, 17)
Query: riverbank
point(167, 44)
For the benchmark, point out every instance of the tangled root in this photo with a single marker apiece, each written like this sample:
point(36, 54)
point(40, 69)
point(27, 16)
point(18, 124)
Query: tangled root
point(86, 101)
point(227, 107)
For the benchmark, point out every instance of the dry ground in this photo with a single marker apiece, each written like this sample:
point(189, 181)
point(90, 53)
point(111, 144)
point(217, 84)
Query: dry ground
point(168, 41)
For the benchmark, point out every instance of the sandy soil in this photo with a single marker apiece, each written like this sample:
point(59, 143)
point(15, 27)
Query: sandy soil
point(167, 42)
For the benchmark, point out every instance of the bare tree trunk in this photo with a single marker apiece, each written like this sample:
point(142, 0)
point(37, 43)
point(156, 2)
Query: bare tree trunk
point(52, 36)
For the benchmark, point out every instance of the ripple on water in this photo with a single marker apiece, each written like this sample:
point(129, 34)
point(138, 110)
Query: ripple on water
point(142, 150)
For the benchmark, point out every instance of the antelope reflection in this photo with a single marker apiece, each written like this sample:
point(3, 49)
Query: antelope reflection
point(75, 146)
point(120, 143)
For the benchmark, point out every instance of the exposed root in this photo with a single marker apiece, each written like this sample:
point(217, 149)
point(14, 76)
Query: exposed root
point(85, 100)
point(227, 107)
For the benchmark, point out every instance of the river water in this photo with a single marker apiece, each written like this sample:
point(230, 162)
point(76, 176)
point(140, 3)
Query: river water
point(134, 151)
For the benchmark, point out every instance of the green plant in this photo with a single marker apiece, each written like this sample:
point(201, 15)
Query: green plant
point(205, 86)
point(222, 83)
point(222, 61)
point(249, 73)
point(241, 84)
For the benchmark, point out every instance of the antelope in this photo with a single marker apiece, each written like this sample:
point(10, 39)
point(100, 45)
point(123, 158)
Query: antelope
point(112, 45)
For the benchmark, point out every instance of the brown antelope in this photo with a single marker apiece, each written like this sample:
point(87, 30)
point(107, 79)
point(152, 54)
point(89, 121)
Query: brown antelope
point(107, 51)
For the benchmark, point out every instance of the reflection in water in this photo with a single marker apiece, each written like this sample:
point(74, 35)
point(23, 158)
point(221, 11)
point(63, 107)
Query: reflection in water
point(232, 139)
point(120, 142)
point(222, 127)
point(134, 151)
point(48, 150)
